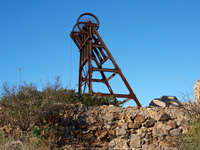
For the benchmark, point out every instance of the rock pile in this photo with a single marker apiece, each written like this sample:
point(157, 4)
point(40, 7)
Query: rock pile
point(110, 127)
point(165, 101)
point(197, 91)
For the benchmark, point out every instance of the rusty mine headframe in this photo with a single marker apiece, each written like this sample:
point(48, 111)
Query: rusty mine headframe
point(92, 48)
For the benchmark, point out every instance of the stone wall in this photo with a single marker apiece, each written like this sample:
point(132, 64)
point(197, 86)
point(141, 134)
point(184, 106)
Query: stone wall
point(197, 91)
point(110, 127)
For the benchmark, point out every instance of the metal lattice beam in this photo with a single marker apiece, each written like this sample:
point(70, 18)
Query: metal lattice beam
point(92, 48)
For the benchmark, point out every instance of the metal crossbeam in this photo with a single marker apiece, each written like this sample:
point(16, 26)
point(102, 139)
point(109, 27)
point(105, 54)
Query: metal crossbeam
point(92, 48)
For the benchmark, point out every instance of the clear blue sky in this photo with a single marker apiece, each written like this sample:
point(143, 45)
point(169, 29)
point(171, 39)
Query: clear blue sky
point(156, 43)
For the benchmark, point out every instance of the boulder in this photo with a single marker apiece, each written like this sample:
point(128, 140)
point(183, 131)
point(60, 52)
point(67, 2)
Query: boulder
point(197, 91)
point(165, 101)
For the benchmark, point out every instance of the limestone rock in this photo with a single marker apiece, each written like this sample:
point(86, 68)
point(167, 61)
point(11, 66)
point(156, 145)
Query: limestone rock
point(135, 141)
point(197, 91)
point(150, 123)
point(165, 101)
point(165, 117)
point(139, 119)
point(120, 131)
point(172, 123)
point(112, 144)
point(118, 143)
point(134, 125)
point(175, 132)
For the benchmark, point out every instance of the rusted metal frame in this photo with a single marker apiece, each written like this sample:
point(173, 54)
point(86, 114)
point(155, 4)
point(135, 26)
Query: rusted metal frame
point(126, 100)
point(82, 56)
point(80, 66)
point(83, 52)
point(115, 95)
point(116, 66)
point(98, 55)
point(100, 66)
point(90, 58)
point(101, 57)
point(106, 82)
point(84, 62)
point(80, 76)
point(104, 61)
point(102, 53)
point(75, 41)
point(105, 69)
point(110, 77)
point(88, 24)
point(97, 45)
point(95, 59)
point(94, 80)
point(99, 48)
point(78, 40)
point(84, 82)
point(104, 79)
point(85, 40)
point(85, 73)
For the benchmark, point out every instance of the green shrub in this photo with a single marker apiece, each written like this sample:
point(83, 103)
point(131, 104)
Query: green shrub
point(192, 140)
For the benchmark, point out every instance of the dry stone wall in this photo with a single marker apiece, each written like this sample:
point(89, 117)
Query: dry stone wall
point(110, 127)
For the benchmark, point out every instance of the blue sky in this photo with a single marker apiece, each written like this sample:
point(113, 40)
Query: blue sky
point(156, 43)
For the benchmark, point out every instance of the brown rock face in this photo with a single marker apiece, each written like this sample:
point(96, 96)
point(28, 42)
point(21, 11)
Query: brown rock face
point(172, 123)
point(165, 117)
point(139, 119)
point(135, 141)
point(134, 125)
point(175, 132)
point(150, 123)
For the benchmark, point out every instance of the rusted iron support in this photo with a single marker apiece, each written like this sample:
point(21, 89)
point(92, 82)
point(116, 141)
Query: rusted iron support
point(110, 77)
point(90, 58)
point(94, 80)
point(105, 69)
point(115, 95)
point(83, 43)
point(93, 50)
point(116, 66)
point(126, 100)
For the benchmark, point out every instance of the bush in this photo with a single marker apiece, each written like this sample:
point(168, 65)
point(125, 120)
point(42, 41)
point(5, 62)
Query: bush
point(25, 107)
point(192, 140)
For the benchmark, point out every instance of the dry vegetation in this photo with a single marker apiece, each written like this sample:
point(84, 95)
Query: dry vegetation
point(27, 120)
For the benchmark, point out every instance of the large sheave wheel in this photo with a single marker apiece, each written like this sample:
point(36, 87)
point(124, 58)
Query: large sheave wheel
point(87, 18)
